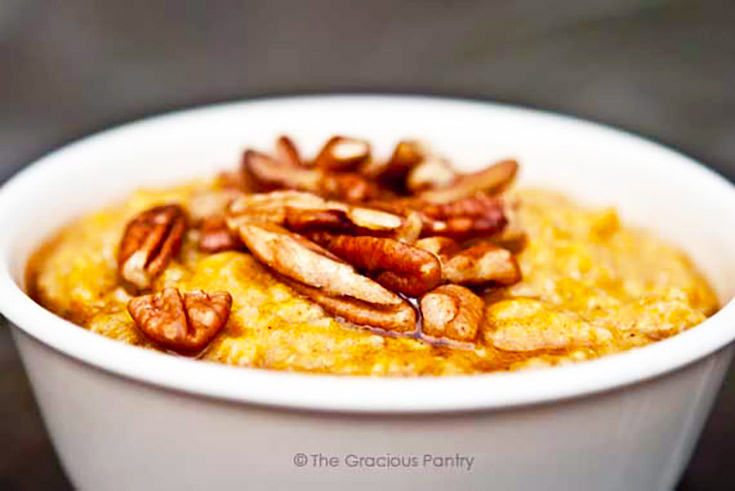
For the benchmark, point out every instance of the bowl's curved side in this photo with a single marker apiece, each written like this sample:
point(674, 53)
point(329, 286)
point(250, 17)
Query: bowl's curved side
point(651, 185)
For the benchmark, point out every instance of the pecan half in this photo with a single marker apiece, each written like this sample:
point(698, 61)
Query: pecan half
point(433, 172)
point(288, 153)
point(343, 154)
point(393, 172)
point(472, 216)
point(185, 325)
point(348, 186)
point(453, 312)
point(301, 211)
point(216, 236)
point(491, 180)
point(442, 247)
point(150, 240)
point(400, 317)
point(268, 174)
point(392, 263)
point(295, 257)
point(482, 263)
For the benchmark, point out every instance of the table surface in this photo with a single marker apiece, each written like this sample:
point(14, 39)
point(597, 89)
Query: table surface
point(665, 69)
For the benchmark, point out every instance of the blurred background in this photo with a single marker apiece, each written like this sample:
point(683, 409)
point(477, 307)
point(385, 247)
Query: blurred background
point(664, 69)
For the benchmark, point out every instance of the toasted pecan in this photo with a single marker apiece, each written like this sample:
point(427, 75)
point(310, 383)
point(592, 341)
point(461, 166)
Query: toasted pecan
point(394, 264)
point(482, 263)
point(453, 312)
point(400, 317)
point(216, 236)
point(343, 154)
point(186, 325)
point(295, 257)
point(149, 242)
point(491, 180)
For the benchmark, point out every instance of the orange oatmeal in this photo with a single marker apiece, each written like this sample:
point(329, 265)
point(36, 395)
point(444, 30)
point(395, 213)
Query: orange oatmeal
point(347, 264)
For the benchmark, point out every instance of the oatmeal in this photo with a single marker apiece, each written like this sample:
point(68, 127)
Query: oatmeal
point(347, 264)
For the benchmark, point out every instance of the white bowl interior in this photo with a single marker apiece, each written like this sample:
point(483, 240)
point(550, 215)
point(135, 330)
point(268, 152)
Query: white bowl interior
point(651, 186)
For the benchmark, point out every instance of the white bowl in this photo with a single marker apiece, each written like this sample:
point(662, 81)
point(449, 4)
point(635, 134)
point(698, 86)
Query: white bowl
point(126, 418)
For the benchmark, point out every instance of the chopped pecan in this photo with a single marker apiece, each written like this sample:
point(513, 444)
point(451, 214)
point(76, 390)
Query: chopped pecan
point(268, 174)
point(348, 186)
point(442, 247)
point(492, 180)
point(482, 263)
point(393, 172)
point(301, 211)
point(288, 153)
point(295, 257)
point(453, 312)
point(150, 240)
point(216, 236)
point(400, 317)
point(433, 172)
point(343, 154)
point(472, 216)
point(392, 263)
point(185, 325)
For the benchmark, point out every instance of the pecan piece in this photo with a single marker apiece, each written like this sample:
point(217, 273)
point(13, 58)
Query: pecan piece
point(288, 153)
point(394, 264)
point(393, 172)
point(348, 186)
point(267, 173)
point(186, 325)
point(433, 172)
point(343, 154)
point(442, 247)
point(216, 236)
point(400, 317)
point(150, 240)
point(482, 263)
point(491, 180)
point(472, 216)
point(295, 257)
point(305, 211)
point(453, 312)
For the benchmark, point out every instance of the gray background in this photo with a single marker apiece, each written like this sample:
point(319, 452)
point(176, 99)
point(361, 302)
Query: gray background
point(665, 69)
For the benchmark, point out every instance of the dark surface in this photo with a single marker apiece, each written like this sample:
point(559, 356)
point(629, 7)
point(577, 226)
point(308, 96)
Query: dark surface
point(665, 69)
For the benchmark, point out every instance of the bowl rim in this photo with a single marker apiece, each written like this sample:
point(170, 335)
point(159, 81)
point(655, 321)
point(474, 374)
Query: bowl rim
point(346, 393)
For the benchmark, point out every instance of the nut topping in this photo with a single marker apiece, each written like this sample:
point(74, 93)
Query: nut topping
point(452, 312)
point(269, 174)
point(397, 266)
point(473, 216)
point(297, 258)
point(215, 236)
point(185, 325)
point(442, 247)
point(150, 240)
point(393, 172)
point(491, 181)
point(343, 154)
point(434, 172)
point(400, 317)
point(305, 211)
point(288, 153)
point(354, 234)
point(482, 263)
